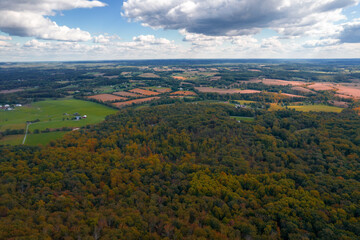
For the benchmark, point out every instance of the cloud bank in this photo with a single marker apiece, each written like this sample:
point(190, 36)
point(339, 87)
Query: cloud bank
point(237, 17)
point(26, 18)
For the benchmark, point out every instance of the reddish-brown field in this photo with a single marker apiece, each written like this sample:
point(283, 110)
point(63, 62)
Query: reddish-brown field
point(11, 91)
point(179, 78)
point(343, 96)
point(161, 90)
point(143, 92)
point(341, 90)
point(111, 77)
point(322, 86)
point(302, 89)
point(126, 94)
point(353, 92)
point(215, 78)
point(340, 104)
point(279, 82)
point(184, 93)
point(254, 70)
point(292, 95)
point(149, 75)
point(136, 101)
point(225, 91)
point(107, 98)
point(275, 82)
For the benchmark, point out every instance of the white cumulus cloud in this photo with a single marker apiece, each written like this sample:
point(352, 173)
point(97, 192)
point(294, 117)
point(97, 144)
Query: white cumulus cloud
point(237, 17)
point(150, 39)
point(27, 18)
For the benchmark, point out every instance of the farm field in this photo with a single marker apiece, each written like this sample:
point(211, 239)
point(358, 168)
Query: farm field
point(43, 138)
point(50, 114)
point(316, 108)
point(160, 89)
point(279, 82)
point(275, 82)
point(107, 98)
point(225, 91)
point(136, 101)
point(179, 78)
point(126, 94)
point(149, 75)
point(245, 101)
point(243, 119)
point(292, 95)
point(104, 89)
point(12, 139)
point(185, 93)
point(11, 91)
point(349, 91)
point(322, 86)
point(302, 89)
point(144, 92)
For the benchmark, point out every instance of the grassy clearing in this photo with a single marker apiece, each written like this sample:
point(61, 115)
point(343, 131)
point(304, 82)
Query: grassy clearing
point(12, 140)
point(51, 114)
point(245, 101)
point(43, 138)
point(243, 119)
point(105, 89)
point(317, 108)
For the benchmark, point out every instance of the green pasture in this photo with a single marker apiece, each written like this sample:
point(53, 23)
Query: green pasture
point(245, 102)
point(51, 114)
point(105, 89)
point(43, 138)
point(12, 139)
point(316, 108)
point(243, 119)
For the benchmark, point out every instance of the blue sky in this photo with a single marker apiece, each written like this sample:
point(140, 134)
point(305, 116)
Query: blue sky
point(62, 30)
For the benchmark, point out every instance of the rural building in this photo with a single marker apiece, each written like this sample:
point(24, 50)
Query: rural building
point(240, 106)
point(84, 116)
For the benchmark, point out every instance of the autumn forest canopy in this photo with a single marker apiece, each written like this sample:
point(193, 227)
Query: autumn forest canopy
point(188, 171)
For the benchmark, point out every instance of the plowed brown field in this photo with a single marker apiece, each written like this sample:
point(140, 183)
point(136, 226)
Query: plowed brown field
point(144, 92)
point(107, 98)
point(126, 94)
point(225, 91)
point(184, 93)
point(136, 101)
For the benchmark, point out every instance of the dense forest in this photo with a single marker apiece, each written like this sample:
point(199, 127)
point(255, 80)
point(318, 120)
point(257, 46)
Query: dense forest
point(188, 171)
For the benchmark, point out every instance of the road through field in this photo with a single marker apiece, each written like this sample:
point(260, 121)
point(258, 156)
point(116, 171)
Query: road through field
point(26, 132)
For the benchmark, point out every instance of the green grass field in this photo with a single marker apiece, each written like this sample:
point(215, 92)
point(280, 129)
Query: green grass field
point(243, 119)
point(43, 138)
point(244, 101)
point(316, 108)
point(105, 89)
point(12, 139)
point(51, 115)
